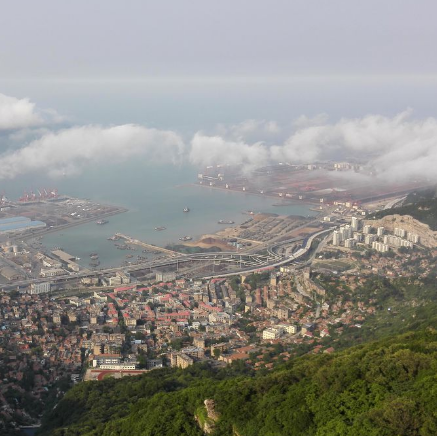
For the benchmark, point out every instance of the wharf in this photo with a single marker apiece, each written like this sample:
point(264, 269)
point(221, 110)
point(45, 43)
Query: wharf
point(146, 245)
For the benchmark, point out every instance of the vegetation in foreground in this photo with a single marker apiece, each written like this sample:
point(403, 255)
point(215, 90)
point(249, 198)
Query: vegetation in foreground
point(380, 388)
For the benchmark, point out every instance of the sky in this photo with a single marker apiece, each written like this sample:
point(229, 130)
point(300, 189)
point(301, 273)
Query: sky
point(136, 38)
point(203, 82)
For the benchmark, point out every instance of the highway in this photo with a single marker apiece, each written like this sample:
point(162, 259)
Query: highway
point(394, 202)
point(246, 262)
point(299, 253)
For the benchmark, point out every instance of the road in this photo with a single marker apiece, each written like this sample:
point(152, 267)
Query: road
point(394, 202)
point(299, 253)
point(246, 262)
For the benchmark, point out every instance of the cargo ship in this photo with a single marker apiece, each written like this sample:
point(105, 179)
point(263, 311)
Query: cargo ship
point(186, 209)
point(225, 222)
point(101, 222)
point(158, 229)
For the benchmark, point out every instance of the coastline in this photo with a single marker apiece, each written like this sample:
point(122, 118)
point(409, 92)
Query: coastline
point(290, 202)
point(118, 210)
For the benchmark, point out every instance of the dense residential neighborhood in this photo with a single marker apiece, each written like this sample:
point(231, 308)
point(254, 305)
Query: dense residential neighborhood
point(49, 342)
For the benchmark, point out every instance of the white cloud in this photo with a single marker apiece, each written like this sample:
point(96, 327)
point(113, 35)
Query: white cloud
point(21, 113)
point(397, 147)
point(207, 150)
point(68, 150)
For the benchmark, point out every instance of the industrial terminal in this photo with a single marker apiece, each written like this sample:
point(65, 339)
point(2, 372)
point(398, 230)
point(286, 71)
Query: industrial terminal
point(314, 183)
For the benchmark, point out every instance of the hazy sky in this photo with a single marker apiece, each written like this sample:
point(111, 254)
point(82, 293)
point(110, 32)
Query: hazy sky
point(198, 81)
point(135, 38)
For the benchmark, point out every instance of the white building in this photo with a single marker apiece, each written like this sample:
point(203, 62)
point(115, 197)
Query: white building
point(346, 232)
point(289, 328)
point(336, 238)
point(272, 333)
point(355, 224)
point(412, 237)
point(369, 239)
point(399, 232)
point(379, 246)
point(358, 236)
point(350, 243)
point(396, 241)
point(380, 231)
point(106, 359)
point(119, 366)
point(367, 229)
point(52, 272)
point(39, 288)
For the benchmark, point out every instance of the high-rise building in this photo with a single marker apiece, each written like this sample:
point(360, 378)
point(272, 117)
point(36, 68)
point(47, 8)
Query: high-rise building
point(358, 236)
point(379, 246)
point(346, 232)
point(350, 243)
point(355, 224)
point(367, 229)
point(412, 237)
point(336, 238)
point(369, 239)
point(399, 232)
point(380, 231)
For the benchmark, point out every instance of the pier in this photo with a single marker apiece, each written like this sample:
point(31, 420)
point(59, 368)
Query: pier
point(130, 240)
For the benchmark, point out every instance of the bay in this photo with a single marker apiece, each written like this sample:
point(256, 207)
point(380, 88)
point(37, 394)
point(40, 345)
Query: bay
point(155, 196)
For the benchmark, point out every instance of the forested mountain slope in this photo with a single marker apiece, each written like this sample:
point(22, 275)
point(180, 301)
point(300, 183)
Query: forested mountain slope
point(381, 388)
point(420, 205)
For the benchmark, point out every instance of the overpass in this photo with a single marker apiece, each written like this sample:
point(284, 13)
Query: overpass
point(283, 261)
point(245, 262)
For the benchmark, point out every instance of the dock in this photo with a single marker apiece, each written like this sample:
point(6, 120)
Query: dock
point(133, 241)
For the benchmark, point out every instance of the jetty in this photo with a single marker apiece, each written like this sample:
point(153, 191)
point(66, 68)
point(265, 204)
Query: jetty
point(133, 241)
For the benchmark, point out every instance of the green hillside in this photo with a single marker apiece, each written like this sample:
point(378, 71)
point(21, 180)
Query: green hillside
point(420, 205)
point(381, 388)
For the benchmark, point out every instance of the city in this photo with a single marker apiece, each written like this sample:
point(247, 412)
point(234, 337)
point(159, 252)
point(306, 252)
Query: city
point(218, 218)
point(269, 299)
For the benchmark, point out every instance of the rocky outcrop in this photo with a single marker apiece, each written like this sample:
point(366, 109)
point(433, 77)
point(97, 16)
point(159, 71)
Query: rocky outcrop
point(428, 237)
point(206, 416)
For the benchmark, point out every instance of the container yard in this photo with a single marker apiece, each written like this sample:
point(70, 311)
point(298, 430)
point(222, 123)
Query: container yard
point(45, 211)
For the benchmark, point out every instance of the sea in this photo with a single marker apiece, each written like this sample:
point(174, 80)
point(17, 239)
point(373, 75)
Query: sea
point(155, 196)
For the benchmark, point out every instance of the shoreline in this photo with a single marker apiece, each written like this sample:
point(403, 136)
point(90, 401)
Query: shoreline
point(291, 202)
point(42, 233)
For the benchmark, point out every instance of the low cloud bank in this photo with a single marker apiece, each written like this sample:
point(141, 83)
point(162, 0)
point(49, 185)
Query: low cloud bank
point(67, 151)
point(397, 147)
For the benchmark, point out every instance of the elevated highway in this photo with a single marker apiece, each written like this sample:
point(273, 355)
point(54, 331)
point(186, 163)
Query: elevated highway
point(244, 262)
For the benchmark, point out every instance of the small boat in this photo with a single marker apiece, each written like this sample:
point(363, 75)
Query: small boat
point(186, 209)
point(101, 222)
point(185, 238)
point(160, 228)
point(225, 222)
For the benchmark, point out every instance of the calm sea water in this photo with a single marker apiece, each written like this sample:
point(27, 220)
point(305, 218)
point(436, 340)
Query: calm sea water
point(155, 196)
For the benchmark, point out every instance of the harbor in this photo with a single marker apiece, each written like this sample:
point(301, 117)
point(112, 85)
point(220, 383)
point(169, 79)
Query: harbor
point(148, 212)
